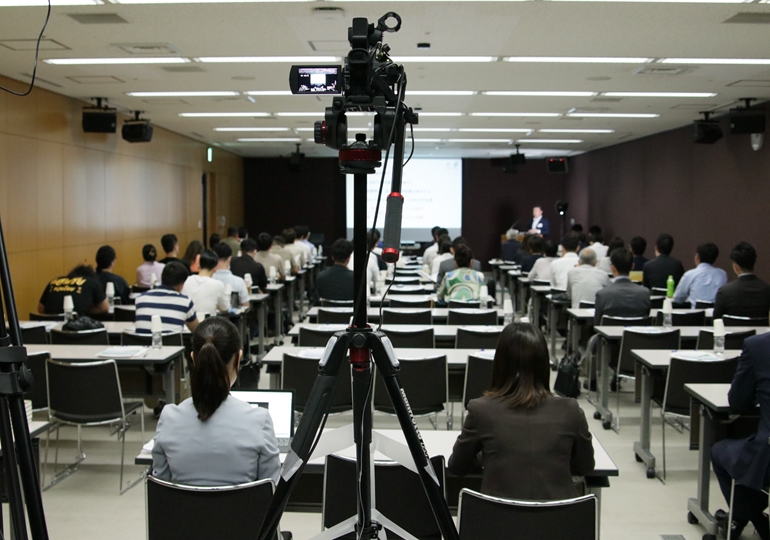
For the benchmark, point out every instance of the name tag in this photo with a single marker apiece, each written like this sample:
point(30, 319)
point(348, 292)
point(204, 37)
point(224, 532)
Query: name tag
point(539, 225)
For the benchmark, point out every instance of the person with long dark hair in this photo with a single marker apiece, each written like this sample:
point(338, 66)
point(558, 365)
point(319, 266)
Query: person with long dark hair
point(212, 438)
point(531, 442)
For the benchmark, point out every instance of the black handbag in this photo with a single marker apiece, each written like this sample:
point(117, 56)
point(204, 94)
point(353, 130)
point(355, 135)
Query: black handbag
point(79, 323)
point(567, 382)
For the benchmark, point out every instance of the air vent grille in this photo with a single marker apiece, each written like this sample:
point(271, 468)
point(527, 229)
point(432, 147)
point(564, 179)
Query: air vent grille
point(97, 18)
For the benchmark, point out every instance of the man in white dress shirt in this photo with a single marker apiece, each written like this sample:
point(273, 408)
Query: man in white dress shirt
point(433, 250)
point(569, 260)
point(223, 274)
point(207, 294)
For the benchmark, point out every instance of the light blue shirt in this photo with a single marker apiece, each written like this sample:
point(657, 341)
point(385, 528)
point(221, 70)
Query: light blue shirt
point(236, 283)
point(700, 283)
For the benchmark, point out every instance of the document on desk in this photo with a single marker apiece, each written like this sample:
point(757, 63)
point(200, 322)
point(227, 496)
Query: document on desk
point(33, 324)
point(123, 352)
point(700, 356)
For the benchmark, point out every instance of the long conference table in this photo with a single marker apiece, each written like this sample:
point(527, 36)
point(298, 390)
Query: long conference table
point(445, 334)
point(439, 315)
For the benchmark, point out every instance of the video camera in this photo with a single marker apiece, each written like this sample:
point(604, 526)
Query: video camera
point(369, 82)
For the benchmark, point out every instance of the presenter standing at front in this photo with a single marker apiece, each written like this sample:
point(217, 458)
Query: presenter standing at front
point(539, 225)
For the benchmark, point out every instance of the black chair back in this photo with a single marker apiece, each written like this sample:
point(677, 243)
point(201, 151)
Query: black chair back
point(734, 320)
point(609, 320)
point(326, 302)
point(392, 481)
point(681, 372)
point(312, 337)
point(584, 304)
point(688, 318)
point(667, 339)
point(702, 304)
point(405, 280)
point(46, 317)
point(334, 315)
point(541, 283)
point(84, 393)
point(34, 335)
point(411, 339)
point(38, 393)
point(462, 304)
point(86, 337)
point(472, 316)
point(478, 378)
point(124, 314)
point(169, 339)
point(299, 374)
point(406, 316)
point(468, 338)
point(417, 303)
point(177, 512)
point(657, 302)
point(425, 382)
point(481, 517)
point(138, 289)
point(733, 340)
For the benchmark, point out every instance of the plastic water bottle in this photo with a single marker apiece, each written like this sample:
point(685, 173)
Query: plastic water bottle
point(157, 332)
point(110, 292)
point(670, 286)
point(69, 308)
point(507, 311)
point(153, 280)
point(719, 336)
point(271, 275)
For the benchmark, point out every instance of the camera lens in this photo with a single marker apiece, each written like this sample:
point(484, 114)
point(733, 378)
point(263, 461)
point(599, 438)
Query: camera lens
point(319, 132)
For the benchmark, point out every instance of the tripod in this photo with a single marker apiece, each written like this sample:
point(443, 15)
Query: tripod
point(15, 379)
point(364, 345)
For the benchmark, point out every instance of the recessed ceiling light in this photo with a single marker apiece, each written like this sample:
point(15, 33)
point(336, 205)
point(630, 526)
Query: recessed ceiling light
point(197, 1)
point(492, 141)
point(716, 61)
point(579, 59)
point(266, 59)
point(661, 94)
point(421, 113)
point(316, 113)
point(251, 129)
point(271, 139)
point(494, 130)
point(429, 140)
point(183, 94)
point(614, 115)
point(440, 93)
point(405, 59)
point(436, 130)
point(516, 114)
point(551, 141)
point(225, 114)
point(576, 130)
point(538, 94)
point(115, 61)
point(269, 93)
point(666, 1)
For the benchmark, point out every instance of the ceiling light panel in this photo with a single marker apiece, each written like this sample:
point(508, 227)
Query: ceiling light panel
point(115, 61)
point(43, 3)
point(490, 141)
point(269, 93)
point(716, 61)
point(538, 94)
point(458, 59)
point(578, 59)
point(225, 114)
point(183, 94)
point(437, 114)
point(271, 139)
point(614, 115)
point(550, 141)
point(266, 59)
point(495, 130)
point(244, 129)
point(441, 92)
point(661, 94)
point(517, 114)
point(596, 131)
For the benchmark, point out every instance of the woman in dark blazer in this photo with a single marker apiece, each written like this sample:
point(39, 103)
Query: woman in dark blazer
point(530, 442)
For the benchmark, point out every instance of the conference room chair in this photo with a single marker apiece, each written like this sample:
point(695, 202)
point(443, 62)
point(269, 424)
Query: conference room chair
point(97, 336)
point(478, 379)
point(541, 283)
point(392, 481)
point(181, 512)
point(636, 339)
point(315, 337)
point(675, 402)
point(689, 318)
point(326, 302)
point(462, 304)
point(402, 279)
point(124, 314)
point(734, 320)
point(659, 291)
point(169, 339)
point(477, 338)
point(85, 394)
point(34, 335)
point(425, 381)
point(483, 517)
point(139, 289)
point(472, 317)
point(585, 304)
point(703, 304)
point(401, 316)
point(404, 303)
point(334, 315)
point(38, 392)
point(423, 338)
point(46, 316)
point(733, 340)
point(299, 374)
point(657, 302)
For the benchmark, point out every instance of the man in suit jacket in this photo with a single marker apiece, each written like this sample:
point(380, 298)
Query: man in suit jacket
point(336, 282)
point(747, 296)
point(539, 224)
point(622, 298)
point(748, 460)
point(656, 271)
point(585, 280)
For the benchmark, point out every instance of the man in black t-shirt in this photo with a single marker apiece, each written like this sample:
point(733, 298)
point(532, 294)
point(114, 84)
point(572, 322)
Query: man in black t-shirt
point(245, 264)
point(170, 246)
point(87, 293)
point(336, 282)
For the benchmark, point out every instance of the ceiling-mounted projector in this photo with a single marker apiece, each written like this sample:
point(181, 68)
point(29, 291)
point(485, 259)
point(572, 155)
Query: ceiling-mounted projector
point(137, 130)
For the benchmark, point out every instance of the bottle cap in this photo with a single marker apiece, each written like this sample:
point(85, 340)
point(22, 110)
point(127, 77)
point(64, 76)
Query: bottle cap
point(668, 305)
point(719, 328)
point(69, 305)
point(157, 324)
point(110, 289)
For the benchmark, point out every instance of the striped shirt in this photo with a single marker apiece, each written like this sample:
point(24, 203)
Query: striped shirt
point(175, 309)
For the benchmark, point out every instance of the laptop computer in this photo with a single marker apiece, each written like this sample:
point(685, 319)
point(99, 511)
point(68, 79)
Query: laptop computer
point(280, 405)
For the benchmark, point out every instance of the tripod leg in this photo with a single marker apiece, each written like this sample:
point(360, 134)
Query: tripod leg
point(18, 519)
point(307, 431)
point(387, 367)
point(362, 435)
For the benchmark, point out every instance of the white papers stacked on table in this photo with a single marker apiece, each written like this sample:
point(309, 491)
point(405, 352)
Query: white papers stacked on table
point(700, 356)
point(124, 352)
point(34, 324)
point(483, 353)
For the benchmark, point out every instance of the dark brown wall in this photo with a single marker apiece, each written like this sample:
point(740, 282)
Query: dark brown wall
point(666, 183)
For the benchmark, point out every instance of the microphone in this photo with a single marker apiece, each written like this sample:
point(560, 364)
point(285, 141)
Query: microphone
point(391, 241)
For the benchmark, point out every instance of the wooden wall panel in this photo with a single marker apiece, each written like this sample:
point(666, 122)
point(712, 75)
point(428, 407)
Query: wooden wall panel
point(63, 193)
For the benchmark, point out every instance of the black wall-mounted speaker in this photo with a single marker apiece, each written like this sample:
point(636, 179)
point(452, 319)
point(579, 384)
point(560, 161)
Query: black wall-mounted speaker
point(557, 165)
point(99, 120)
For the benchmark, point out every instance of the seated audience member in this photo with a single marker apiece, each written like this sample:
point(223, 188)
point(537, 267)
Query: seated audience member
point(105, 262)
point(638, 247)
point(703, 281)
point(622, 298)
point(656, 272)
point(336, 282)
point(87, 293)
point(214, 239)
point(176, 309)
point(585, 280)
point(377, 250)
point(298, 253)
point(191, 255)
point(747, 296)
point(511, 246)
point(449, 264)
point(279, 248)
point(541, 270)
point(747, 461)
point(149, 267)
point(595, 240)
point(243, 234)
point(535, 246)
point(577, 228)
point(207, 293)
point(226, 276)
point(605, 263)
point(463, 283)
point(303, 241)
point(530, 442)
point(525, 249)
point(432, 251)
point(171, 246)
point(246, 264)
point(569, 260)
point(372, 267)
point(213, 438)
point(445, 253)
point(232, 240)
point(268, 259)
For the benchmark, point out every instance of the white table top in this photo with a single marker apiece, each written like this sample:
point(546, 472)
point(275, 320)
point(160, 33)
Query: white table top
point(583, 314)
point(616, 332)
point(454, 357)
point(36, 428)
point(439, 330)
point(258, 297)
point(713, 396)
point(440, 313)
point(661, 358)
point(90, 352)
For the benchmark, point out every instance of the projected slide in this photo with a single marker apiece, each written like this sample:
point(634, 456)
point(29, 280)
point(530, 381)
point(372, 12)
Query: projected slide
point(432, 190)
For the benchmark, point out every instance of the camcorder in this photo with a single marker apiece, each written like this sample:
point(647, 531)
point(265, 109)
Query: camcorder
point(368, 82)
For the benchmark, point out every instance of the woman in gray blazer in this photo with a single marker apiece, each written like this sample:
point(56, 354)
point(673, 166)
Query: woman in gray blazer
point(212, 438)
point(530, 442)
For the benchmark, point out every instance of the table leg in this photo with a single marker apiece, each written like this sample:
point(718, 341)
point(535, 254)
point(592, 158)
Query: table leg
point(535, 310)
point(604, 387)
point(169, 380)
point(301, 290)
point(552, 319)
point(699, 506)
point(290, 296)
point(278, 306)
point(642, 447)
point(574, 334)
point(522, 307)
point(597, 491)
point(262, 327)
